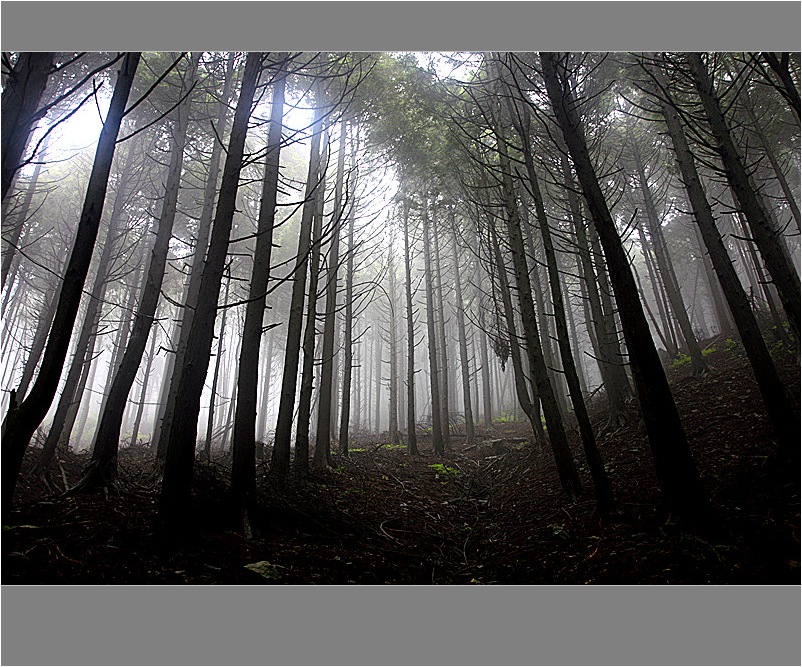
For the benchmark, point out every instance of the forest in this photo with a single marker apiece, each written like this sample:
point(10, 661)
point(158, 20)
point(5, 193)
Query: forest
point(400, 318)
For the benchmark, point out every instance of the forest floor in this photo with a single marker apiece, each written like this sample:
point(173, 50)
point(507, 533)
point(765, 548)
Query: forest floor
point(488, 514)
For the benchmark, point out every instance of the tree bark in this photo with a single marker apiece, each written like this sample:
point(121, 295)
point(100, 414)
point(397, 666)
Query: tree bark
point(470, 435)
point(280, 460)
point(13, 238)
point(22, 420)
point(102, 469)
point(22, 94)
point(774, 252)
point(320, 459)
point(782, 410)
point(667, 270)
point(412, 436)
point(434, 384)
point(243, 470)
point(608, 355)
point(168, 394)
point(601, 483)
point(564, 461)
point(175, 499)
point(324, 414)
point(674, 465)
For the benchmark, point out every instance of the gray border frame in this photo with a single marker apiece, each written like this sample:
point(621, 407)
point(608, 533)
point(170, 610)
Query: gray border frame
point(401, 625)
point(402, 26)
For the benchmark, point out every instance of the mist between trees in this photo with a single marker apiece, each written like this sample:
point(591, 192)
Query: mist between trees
point(260, 257)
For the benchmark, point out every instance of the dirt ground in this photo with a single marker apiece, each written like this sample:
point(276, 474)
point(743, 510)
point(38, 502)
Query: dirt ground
point(488, 514)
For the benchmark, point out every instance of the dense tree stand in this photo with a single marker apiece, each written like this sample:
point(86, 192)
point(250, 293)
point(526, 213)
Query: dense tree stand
point(383, 317)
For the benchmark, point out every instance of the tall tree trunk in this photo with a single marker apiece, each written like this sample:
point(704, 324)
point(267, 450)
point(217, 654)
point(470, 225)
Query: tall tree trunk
point(470, 435)
point(348, 344)
point(324, 414)
point(221, 337)
point(601, 484)
point(674, 465)
point(12, 239)
point(84, 350)
point(22, 420)
point(261, 428)
point(140, 408)
point(168, 394)
point(39, 340)
point(531, 410)
point(608, 356)
point(378, 375)
point(445, 418)
point(782, 410)
point(320, 459)
point(771, 247)
point(243, 470)
point(487, 410)
point(773, 161)
point(175, 499)
point(412, 436)
point(102, 469)
point(787, 86)
point(280, 460)
point(437, 427)
point(22, 94)
point(667, 270)
point(392, 412)
point(83, 415)
point(663, 334)
point(563, 459)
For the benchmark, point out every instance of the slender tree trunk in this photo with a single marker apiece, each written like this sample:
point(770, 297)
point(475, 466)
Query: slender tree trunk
point(392, 411)
point(412, 436)
point(445, 418)
point(378, 375)
point(38, 343)
point(720, 307)
point(175, 499)
point(663, 334)
point(437, 428)
point(140, 409)
point(12, 239)
point(280, 460)
point(782, 410)
point(261, 429)
point(674, 465)
point(22, 420)
point(168, 394)
point(102, 469)
point(470, 435)
point(324, 414)
point(84, 350)
point(22, 94)
point(487, 410)
point(83, 415)
point(566, 466)
point(320, 459)
point(609, 360)
point(243, 470)
point(207, 447)
point(667, 271)
point(773, 250)
point(348, 345)
point(521, 382)
point(601, 483)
